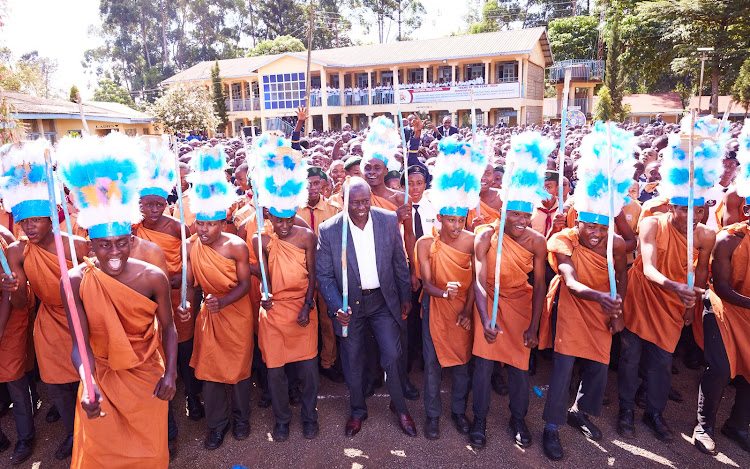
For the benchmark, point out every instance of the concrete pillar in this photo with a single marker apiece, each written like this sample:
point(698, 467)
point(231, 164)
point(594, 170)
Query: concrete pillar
point(344, 118)
point(231, 100)
point(326, 123)
point(485, 118)
point(453, 74)
point(244, 96)
point(341, 89)
point(369, 88)
point(424, 75)
point(590, 100)
point(487, 69)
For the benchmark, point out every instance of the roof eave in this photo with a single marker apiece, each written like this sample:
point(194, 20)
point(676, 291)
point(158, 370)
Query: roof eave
point(91, 117)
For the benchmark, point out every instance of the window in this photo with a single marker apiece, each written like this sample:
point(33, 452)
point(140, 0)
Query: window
point(284, 90)
point(131, 132)
point(507, 72)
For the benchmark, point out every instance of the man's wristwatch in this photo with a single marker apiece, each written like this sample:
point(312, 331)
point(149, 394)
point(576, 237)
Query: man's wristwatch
point(445, 294)
point(310, 304)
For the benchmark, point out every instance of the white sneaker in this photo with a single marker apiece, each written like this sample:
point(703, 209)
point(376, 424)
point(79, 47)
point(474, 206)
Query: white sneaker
point(703, 440)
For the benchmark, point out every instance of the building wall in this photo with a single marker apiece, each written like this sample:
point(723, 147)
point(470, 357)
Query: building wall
point(534, 114)
point(536, 82)
point(64, 126)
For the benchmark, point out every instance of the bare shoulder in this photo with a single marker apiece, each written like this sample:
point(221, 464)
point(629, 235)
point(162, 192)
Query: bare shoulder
point(237, 247)
point(648, 224)
point(707, 236)
point(618, 242)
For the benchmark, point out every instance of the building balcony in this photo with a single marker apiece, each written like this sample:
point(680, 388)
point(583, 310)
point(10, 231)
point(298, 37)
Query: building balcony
point(247, 104)
point(581, 70)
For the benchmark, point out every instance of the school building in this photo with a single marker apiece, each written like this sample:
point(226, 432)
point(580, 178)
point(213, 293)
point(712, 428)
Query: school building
point(504, 71)
point(55, 118)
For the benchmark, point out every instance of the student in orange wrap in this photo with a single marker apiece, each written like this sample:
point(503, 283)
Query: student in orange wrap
point(520, 304)
point(287, 329)
point(490, 202)
point(33, 258)
point(444, 263)
point(317, 210)
point(219, 265)
point(726, 325)
point(158, 182)
point(659, 303)
point(14, 330)
point(584, 315)
point(125, 314)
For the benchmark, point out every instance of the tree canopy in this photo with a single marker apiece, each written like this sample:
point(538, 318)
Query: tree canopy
point(573, 37)
point(183, 109)
point(110, 92)
point(278, 45)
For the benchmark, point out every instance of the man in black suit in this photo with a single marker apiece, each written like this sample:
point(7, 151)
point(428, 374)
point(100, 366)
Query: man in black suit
point(446, 130)
point(379, 294)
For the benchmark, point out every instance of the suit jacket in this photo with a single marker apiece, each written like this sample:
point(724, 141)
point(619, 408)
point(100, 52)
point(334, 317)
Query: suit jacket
point(393, 271)
point(440, 130)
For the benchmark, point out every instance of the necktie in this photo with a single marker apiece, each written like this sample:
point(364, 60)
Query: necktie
point(418, 231)
point(312, 219)
point(548, 220)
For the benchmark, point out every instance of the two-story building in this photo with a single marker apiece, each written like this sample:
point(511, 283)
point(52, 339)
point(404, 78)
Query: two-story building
point(435, 78)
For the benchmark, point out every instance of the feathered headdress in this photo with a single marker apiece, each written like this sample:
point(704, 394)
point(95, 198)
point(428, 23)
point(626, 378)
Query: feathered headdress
point(382, 143)
point(525, 184)
point(457, 177)
point(483, 147)
point(742, 182)
point(708, 168)
point(104, 178)
point(211, 194)
point(282, 176)
point(23, 183)
point(159, 176)
point(593, 180)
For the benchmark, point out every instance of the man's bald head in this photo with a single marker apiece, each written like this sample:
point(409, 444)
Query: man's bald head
point(358, 186)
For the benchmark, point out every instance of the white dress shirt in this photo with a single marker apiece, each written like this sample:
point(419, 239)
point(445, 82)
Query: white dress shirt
point(364, 247)
point(427, 213)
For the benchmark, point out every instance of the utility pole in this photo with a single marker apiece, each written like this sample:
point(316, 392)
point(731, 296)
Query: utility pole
point(704, 57)
point(307, 76)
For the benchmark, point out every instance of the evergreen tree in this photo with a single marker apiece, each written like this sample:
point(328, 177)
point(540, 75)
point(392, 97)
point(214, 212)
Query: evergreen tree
point(219, 98)
point(73, 94)
point(741, 87)
point(614, 76)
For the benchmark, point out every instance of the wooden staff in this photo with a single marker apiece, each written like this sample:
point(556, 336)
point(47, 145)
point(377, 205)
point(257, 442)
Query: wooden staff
point(561, 152)
point(344, 275)
point(474, 136)
point(259, 219)
point(403, 143)
point(68, 289)
point(183, 237)
point(611, 229)
point(499, 253)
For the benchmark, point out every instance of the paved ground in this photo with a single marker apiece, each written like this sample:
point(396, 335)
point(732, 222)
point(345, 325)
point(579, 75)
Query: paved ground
point(381, 444)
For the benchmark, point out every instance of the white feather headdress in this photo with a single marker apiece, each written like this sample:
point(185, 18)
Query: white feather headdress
point(23, 179)
point(382, 143)
point(528, 159)
point(104, 178)
point(211, 194)
point(282, 176)
point(742, 182)
point(457, 177)
point(592, 191)
point(159, 173)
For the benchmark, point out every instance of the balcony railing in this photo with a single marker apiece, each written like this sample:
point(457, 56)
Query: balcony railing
point(581, 70)
point(247, 104)
point(583, 104)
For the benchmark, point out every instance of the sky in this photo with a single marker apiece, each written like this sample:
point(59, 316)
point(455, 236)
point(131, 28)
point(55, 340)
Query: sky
point(58, 29)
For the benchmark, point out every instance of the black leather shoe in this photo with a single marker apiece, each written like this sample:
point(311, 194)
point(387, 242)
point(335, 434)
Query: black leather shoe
point(581, 421)
point(280, 432)
point(478, 433)
point(658, 426)
point(551, 444)
point(520, 432)
point(741, 437)
point(432, 428)
point(332, 374)
point(295, 396)
point(674, 395)
point(171, 448)
point(675, 370)
point(410, 392)
point(369, 389)
point(626, 423)
point(4, 442)
point(23, 451)
point(53, 415)
point(65, 449)
point(498, 384)
point(265, 400)
point(641, 397)
point(195, 409)
point(4, 408)
point(241, 430)
point(310, 430)
point(461, 422)
point(215, 438)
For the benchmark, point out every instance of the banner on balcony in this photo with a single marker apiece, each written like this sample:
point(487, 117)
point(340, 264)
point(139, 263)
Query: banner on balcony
point(460, 93)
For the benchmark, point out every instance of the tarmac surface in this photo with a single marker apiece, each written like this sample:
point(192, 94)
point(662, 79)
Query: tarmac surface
point(381, 443)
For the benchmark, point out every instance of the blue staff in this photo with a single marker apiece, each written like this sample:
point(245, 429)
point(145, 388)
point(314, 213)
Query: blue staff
point(498, 256)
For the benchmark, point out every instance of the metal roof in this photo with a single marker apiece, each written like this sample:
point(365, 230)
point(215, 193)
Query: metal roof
point(32, 107)
point(517, 41)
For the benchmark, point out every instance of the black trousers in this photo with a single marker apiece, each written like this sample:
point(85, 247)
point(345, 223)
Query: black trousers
point(19, 394)
point(185, 371)
point(590, 392)
point(518, 384)
point(432, 374)
point(65, 398)
point(386, 329)
point(215, 402)
point(658, 372)
point(278, 385)
point(715, 379)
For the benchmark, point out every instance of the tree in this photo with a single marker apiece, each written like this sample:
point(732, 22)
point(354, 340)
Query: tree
point(614, 73)
point(741, 87)
point(74, 94)
point(406, 14)
point(496, 14)
point(573, 38)
point(110, 92)
point(690, 24)
point(31, 74)
point(183, 109)
point(280, 18)
point(277, 46)
point(220, 99)
point(603, 111)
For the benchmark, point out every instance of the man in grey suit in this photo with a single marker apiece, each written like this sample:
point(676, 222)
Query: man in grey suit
point(379, 294)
